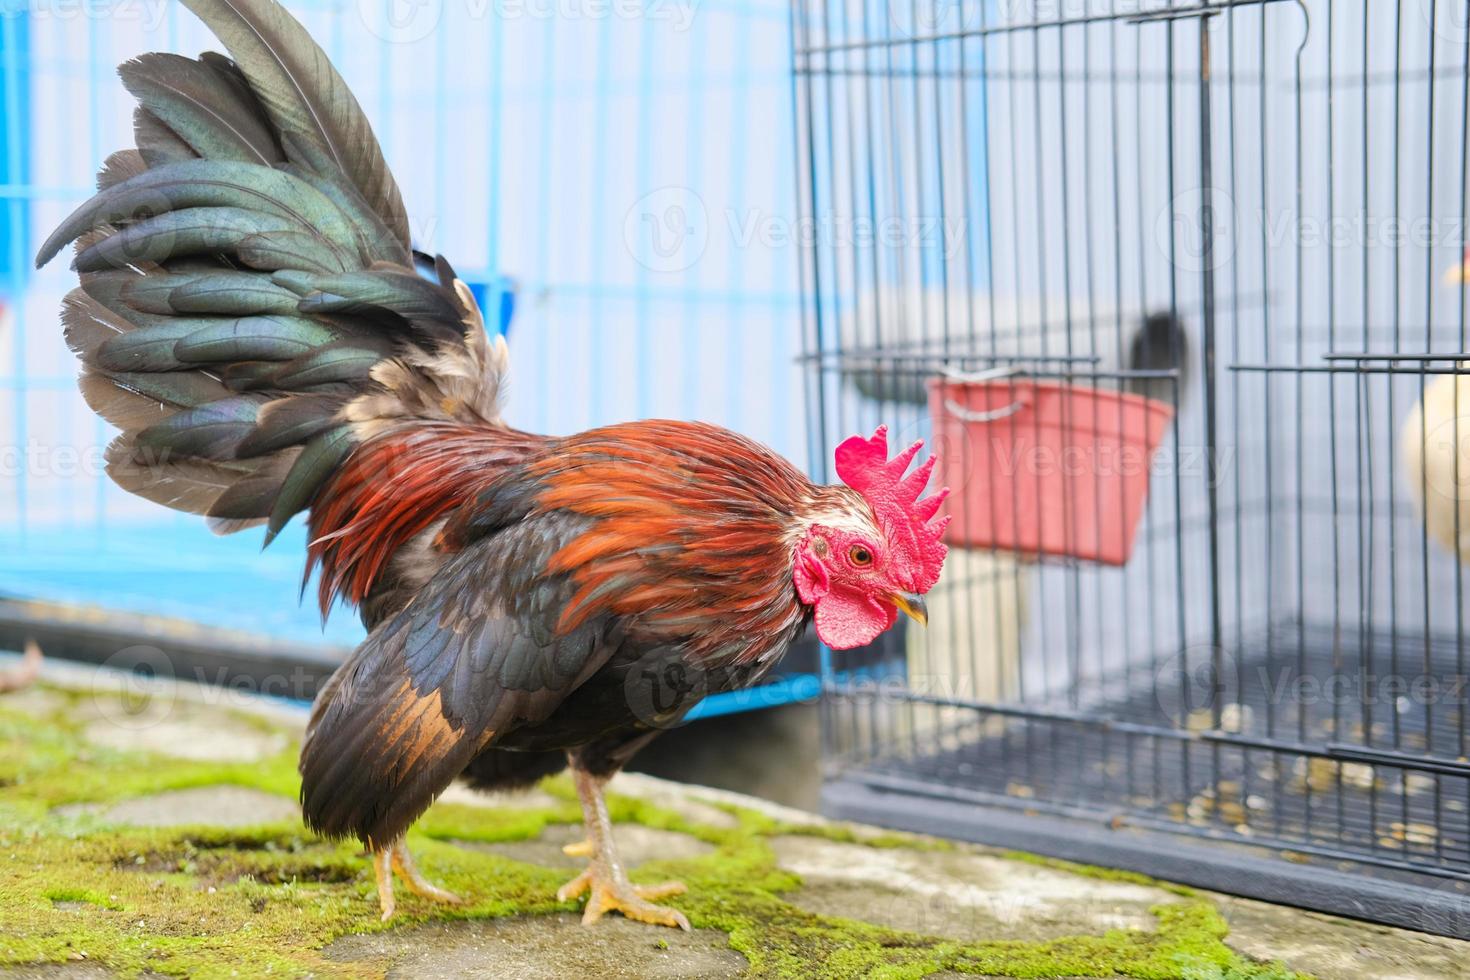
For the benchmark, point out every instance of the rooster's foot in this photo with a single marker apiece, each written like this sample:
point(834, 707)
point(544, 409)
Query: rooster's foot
point(615, 894)
point(396, 858)
point(605, 883)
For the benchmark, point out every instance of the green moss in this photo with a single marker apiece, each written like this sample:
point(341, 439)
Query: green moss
point(843, 834)
point(86, 896)
point(205, 902)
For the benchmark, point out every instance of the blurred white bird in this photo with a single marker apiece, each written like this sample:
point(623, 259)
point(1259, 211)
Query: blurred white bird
point(1434, 449)
point(1434, 446)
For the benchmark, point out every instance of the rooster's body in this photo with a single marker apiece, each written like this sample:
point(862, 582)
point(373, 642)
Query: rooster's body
point(568, 601)
point(253, 318)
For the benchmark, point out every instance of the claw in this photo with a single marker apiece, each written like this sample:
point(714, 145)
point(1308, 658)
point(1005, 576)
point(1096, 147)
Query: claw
point(580, 849)
point(396, 858)
point(416, 882)
point(633, 901)
point(605, 883)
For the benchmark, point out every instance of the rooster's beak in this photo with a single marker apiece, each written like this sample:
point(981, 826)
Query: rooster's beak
point(1459, 273)
point(913, 606)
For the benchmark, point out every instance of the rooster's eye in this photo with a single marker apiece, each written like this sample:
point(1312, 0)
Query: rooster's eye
point(860, 556)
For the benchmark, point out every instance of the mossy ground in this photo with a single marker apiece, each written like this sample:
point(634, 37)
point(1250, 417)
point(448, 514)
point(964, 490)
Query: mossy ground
point(264, 901)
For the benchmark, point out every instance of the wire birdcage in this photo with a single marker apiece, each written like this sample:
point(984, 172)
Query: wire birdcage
point(1249, 214)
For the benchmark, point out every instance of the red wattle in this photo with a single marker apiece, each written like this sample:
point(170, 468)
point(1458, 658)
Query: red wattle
point(846, 620)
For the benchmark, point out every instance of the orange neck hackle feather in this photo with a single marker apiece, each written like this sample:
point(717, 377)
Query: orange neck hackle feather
point(690, 530)
point(691, 535)
point(392, 489)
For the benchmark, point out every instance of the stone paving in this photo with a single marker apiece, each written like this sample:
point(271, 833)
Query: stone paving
point(977, 908)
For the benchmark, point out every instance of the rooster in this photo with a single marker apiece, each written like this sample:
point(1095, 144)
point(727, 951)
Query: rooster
point(253, 318)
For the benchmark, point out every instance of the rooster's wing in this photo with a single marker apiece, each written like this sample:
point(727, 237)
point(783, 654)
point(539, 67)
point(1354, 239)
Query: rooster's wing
point(477, 655)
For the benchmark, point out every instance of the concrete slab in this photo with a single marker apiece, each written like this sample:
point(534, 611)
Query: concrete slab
point(960, 894)
point(636, 844)
point(664, 791)
point(176, 727)
point(218, 806)
point(37, 702)
point(966, 893)
point(553, 947)
point(681, 799)
point(1330, 948)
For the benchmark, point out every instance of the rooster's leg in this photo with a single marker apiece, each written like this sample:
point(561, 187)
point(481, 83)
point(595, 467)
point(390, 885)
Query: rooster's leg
point(26, 674)
point(605, 882)
point(395, 858)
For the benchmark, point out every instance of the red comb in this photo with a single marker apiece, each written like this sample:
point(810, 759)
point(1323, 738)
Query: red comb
point(913, 534)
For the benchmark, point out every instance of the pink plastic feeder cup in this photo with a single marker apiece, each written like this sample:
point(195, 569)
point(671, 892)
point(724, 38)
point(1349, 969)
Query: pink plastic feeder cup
point(1045, 468)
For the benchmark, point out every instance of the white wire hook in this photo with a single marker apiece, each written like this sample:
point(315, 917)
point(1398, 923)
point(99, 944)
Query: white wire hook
point(990, 374)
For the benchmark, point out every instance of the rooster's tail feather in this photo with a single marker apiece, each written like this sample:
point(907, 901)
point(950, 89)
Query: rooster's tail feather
point(250, 308)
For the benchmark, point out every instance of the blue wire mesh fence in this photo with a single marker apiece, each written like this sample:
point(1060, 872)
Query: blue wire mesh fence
point(618, 175)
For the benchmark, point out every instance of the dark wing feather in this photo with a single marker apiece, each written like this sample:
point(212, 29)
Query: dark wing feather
point(203, 106)
point(476, 656)
point(303, 95)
